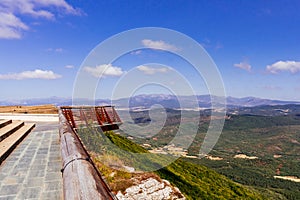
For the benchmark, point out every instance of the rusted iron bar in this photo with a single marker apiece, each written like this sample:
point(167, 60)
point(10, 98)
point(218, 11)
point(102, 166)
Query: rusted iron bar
point(81, 179)
point(69, 116)
point(107, 116)
point(116, 116)
point(99, 117)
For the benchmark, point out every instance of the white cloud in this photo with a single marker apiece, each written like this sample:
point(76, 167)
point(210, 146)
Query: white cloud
point(243, 65)
point(36, 74)
point(104, 70)
point(70, 66)
point(38, 8)
point(151, 70)
point(11, 26)
point(159, 44)
point(59, 4)
point(281, 66)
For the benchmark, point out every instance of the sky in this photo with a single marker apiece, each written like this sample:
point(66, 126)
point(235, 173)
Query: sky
point(46, 45)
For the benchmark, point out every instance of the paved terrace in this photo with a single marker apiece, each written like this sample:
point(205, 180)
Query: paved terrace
point(32, 171)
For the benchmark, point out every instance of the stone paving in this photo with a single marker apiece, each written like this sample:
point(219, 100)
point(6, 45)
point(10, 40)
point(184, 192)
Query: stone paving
point(32, 171)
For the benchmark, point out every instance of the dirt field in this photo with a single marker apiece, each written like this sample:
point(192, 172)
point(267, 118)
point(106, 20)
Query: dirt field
point(42, 109)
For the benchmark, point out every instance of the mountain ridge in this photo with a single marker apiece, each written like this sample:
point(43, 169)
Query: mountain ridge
point(148, 100)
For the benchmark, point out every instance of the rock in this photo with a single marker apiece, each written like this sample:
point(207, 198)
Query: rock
point(133, 190)
point(120, 196)
point(151, 189)
point(166, 182)
point(129, 169)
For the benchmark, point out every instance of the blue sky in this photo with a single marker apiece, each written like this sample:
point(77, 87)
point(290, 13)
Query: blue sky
point(255, 44)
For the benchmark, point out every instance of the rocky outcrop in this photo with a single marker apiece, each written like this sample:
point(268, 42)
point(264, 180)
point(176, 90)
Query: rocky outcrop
point(151, 189)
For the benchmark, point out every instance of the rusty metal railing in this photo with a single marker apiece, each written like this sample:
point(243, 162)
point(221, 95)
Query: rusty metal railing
point(104, 116)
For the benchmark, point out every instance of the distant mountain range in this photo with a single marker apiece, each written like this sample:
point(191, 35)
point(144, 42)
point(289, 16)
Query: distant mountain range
point(147, 100)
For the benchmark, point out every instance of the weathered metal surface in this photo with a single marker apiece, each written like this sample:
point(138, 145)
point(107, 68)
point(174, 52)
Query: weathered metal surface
point(69, 117)
point(105, 116)
point(81, 180)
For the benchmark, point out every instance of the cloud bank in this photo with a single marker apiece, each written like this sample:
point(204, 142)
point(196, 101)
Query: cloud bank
point(12, 27)
point(151, 70)
point(104, 70)
point(284, 66)
point(36, 74)
point(243, 65)
point(159, 44)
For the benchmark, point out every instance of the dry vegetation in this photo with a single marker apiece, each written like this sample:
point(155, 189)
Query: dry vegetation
point(41, 109)
point(117, 178)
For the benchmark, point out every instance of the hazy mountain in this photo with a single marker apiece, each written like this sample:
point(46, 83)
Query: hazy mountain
point(253, 101)
point(148, 100)
point(204, 101)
